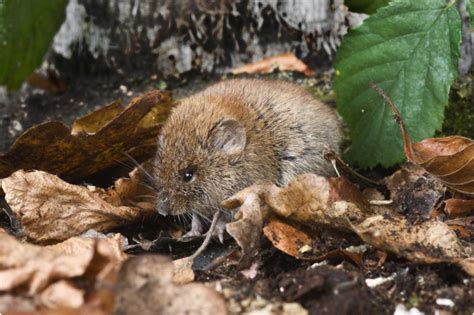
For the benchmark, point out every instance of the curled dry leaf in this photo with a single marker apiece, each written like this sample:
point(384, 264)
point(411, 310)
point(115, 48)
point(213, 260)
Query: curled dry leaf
point(52, 210)
point(247, 228)
point(33, 267)
point(282, 62)
point(335, 202)
point(96, 141)
point(450, 159)
point(133, 191)
point(145, 286)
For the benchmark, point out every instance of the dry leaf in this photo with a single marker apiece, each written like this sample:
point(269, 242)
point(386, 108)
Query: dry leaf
point(133, 191)
point(287, 238)
point(145, 286)
point(35, 267)
point(282, 62)
point(96, 141)
point(52, 210)
point(49, 82)
point(450, 159)
point(246, 230)
point(315, 200)
point(455, 207)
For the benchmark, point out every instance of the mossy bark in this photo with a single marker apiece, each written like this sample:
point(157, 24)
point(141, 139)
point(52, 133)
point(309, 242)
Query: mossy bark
point(459, 117)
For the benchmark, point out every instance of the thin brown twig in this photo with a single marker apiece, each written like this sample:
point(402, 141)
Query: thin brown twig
point(408, 145)
point(208, 237)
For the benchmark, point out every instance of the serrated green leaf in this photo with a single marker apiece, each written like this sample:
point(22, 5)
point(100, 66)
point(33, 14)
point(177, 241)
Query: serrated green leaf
point(365, 6)
point(26, 30)
point(411, 50)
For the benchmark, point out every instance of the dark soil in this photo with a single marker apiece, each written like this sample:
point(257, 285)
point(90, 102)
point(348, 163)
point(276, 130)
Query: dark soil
point(337, 287)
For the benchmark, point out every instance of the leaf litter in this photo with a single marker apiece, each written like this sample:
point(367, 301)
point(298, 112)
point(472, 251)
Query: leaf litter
point(53, 210)
point(335, 202)
point(294, 219)
point(282, 62)
point(95, 142)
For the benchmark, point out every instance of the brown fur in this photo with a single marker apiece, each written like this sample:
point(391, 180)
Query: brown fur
point(286, 131)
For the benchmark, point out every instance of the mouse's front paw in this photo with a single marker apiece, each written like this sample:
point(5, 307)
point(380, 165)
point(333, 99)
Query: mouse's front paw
point(196, 228)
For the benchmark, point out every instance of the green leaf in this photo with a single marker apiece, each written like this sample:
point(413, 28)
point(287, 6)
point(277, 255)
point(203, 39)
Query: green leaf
point(365, 6)
point(411, 50)
point(26, 30)
point(470, 9)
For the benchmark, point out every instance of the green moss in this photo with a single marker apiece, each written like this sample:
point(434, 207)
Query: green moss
point(459, 116)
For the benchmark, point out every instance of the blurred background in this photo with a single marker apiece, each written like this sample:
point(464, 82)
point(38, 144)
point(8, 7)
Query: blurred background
point(88, 53)
point(64, 58)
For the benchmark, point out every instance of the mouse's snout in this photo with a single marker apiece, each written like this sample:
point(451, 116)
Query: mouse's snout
point(163, 206)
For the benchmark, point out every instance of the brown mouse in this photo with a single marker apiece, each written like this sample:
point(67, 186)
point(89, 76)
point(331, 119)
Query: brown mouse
point(233, 134)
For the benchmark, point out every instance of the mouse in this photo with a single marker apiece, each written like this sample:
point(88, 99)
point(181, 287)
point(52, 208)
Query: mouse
point(235, 133)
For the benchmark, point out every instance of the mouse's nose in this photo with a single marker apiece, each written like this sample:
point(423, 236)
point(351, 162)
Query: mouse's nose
point(163, 206)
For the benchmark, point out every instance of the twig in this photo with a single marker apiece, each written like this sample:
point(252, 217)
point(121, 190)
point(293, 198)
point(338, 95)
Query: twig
point(208, 237)
point(342, 169)
point(398, 118)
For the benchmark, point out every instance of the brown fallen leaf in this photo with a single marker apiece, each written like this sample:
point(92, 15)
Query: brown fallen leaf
point(455, 207)
point(48, 82)
point(282, 62)
point(34, 268)
point(145, 286)
point(134, 190)
point(315, 200)
point(52, 210)
point(298, 244)
point(287, 238)
point(449, 159)
point(96, 142)
point(465, 224)
point(247, 227)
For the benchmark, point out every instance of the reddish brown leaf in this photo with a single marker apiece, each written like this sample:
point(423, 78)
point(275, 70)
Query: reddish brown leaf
point(455, 207)
point(287, 238)
point(282, 62)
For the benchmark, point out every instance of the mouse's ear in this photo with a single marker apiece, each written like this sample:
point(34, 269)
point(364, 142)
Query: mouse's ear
point(228, 135)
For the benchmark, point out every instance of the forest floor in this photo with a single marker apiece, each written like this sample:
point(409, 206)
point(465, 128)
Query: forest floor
point(375, 283)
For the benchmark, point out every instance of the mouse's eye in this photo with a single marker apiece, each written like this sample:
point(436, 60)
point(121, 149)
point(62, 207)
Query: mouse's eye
point(188, 174)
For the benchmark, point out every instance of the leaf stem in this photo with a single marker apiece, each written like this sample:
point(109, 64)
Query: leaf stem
point(398, 118)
